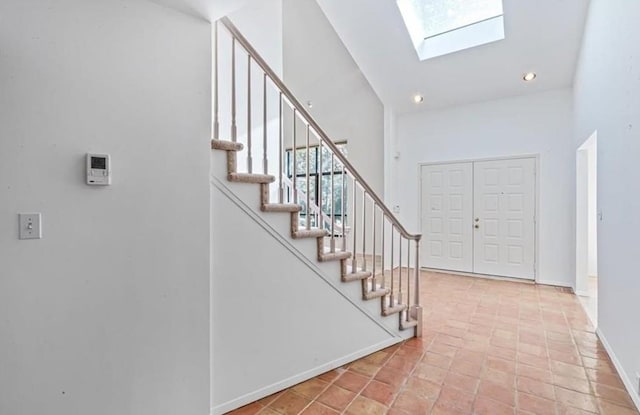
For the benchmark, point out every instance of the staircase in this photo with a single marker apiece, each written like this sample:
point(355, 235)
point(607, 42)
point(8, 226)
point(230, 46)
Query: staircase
point(310, 179)
point(373, 286)
point(332, 274)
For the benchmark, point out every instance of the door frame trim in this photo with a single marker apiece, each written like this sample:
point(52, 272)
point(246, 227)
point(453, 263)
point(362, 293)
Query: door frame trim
point(536, 207)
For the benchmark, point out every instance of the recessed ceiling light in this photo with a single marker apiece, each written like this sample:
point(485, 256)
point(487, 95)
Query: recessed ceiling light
point(529, 76)
point(417, 99)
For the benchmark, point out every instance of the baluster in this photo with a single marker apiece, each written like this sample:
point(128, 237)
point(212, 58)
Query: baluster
point(294, 172)
point(393, 290)
point(333, 219)
point(399, 266)
point(280, 150)
point(320, 170)
point(364, 230)
point(354, 262)
point(216, 111)
point(316, 211)
point(416, 301)
point(265, 167)
point(249, 156)
point(308, 214)
point(342, 212)
point(408, 276)
point(382, 219)
point(373, 245)
point(234, 128)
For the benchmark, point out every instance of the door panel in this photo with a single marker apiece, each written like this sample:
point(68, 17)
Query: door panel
point(446, 216)
point(504, 209)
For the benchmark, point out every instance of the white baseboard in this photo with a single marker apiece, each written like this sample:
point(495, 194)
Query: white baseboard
point(484, 276)
point(294, 380)
point(493, 277)
point(628, 383)
point(554, 283)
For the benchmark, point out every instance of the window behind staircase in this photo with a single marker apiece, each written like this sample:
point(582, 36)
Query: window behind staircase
point(320, 180)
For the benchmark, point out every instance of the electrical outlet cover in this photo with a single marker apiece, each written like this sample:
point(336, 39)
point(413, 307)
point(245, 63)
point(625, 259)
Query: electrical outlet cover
point(30, 226)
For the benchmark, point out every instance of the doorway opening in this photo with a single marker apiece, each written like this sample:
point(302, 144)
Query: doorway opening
point(587, 226)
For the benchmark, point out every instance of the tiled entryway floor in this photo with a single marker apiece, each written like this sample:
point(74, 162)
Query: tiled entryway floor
point(489, 348)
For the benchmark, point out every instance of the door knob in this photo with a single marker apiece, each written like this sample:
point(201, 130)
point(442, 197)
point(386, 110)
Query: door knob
point(477, 226)
point(477, 219)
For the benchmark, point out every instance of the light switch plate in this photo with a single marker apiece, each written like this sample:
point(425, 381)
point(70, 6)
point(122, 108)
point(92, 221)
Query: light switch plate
point(30, 225)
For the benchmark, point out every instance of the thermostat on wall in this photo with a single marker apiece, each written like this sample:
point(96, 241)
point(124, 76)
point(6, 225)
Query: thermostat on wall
point(98, 169)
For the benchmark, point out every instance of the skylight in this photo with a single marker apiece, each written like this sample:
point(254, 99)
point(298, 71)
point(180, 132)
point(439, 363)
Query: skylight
point(439, 27)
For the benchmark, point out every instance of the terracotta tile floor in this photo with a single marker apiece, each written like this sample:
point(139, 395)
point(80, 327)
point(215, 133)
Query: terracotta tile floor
point(489, 348)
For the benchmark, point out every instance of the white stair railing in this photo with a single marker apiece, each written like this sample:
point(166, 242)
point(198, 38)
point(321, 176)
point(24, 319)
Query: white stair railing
point(379, 243)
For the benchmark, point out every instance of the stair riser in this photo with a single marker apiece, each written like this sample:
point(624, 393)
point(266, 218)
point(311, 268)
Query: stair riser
point(295, 222)
point(388, 310)
point(355, 277)
point(219, 164)
point(232, 162)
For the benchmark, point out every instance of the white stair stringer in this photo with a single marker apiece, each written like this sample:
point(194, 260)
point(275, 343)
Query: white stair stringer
point(331, 270)
point(306, 251)
point(270, 297)
point(276, 320)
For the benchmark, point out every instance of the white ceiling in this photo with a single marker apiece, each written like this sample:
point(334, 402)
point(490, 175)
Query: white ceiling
point(209, 10)
point(543, 36)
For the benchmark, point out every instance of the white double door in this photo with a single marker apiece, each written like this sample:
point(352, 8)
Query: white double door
point(480, 217)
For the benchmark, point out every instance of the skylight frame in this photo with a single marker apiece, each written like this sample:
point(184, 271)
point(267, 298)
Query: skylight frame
point(483, 24)
point(463, 26)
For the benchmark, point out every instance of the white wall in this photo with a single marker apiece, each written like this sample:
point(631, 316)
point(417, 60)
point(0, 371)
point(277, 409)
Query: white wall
point(318, 67)
point(607, 96)
point(109, 312)
point(533, 124)
point(209, 10)
point(261, 22)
